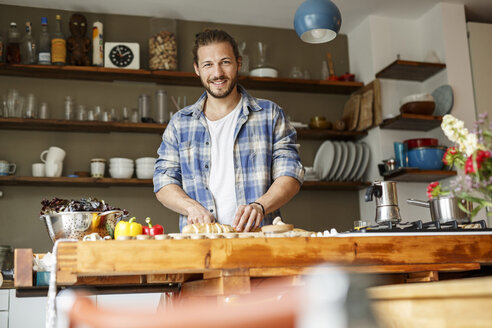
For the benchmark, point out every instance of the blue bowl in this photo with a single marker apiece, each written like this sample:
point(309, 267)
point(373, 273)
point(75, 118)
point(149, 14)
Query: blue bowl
point(426, 158)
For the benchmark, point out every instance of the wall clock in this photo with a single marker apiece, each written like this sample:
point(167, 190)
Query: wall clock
point(122, 55)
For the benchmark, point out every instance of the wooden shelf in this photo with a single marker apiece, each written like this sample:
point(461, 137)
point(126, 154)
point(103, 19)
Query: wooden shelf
point(173, 78)
point(417, 175)
point(110, 182)
point(412, 122)
point(410, 70)
point(108, 127)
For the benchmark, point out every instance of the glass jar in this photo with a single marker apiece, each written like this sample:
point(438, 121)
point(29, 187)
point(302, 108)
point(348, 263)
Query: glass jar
point(163, 47)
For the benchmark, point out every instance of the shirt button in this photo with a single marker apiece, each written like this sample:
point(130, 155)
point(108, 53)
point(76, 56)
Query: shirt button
point(211, 210)
point(206, 188)
point(206, 166)
point(207, 143)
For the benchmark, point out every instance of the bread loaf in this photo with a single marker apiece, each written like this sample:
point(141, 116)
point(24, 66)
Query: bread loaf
point(207, 228)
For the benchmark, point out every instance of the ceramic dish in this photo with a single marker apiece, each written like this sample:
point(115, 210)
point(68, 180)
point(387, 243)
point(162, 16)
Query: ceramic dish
point(343, 161)
point(443, 97)
point(336, 160)
point(359, 151)
point(351, 153)
point(324, 159)
point(365, 162)
point(264, 72)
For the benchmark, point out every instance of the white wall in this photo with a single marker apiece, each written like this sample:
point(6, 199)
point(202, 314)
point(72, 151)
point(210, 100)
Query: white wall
point(377, 41)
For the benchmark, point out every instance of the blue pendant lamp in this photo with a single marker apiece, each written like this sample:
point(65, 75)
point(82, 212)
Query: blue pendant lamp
point(317, 21)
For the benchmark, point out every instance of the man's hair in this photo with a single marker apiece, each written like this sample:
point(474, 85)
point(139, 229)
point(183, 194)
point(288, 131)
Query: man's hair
point(213, 36)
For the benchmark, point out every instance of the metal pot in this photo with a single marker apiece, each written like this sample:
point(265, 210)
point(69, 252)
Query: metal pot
point(445, 209)
point(75, 225)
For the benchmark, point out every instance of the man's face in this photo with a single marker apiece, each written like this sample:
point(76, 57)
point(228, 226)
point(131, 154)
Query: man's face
point(217, 68)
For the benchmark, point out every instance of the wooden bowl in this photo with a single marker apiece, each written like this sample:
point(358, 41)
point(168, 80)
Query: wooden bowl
point(418, 107)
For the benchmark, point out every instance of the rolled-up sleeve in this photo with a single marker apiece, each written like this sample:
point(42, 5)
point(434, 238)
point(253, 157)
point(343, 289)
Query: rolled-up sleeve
point(286, 160)
point(167, 168)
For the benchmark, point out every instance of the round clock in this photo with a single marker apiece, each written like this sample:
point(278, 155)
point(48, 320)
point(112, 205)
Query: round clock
point(121, 55)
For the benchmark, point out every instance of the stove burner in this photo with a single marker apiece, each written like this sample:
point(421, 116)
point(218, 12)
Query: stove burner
point(419, 226)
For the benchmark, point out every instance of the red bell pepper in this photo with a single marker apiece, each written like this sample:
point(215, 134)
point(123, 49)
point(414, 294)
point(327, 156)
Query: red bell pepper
point(152, 230)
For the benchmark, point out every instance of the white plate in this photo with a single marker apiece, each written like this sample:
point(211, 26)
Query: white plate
point(324, 159)
point(365, 162)
point(336, 160)
point(349, 165)
point(343, 161)
point(358, 161)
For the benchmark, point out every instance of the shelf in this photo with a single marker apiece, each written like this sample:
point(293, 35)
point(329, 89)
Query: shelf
point(109, 182)
point(173, 78)
point(107, 127)
point(410, 70)
point(417, 175)
point(412, 122)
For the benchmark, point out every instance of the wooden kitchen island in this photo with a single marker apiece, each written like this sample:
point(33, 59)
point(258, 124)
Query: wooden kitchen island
point(221, 267)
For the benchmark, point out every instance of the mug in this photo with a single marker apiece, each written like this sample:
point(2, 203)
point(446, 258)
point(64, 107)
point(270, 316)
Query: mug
point(53, 169)
point(7, 168)
point(97, 167)
point(400, 154)
point(53, 154)
point(38, 169)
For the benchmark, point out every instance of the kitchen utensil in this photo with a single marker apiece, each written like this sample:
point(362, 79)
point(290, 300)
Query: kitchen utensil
point(7, 168)
point(53, 169)
point(359, 153)
point(264, 72)
point(418, 107)
point(75, 225)
point(420, 142)
point(389, 164)
point(351, 111)
point(331, 70)
point(446, 208)
point(426, 158)
point(319, 122)
point(400, 154)
point(295, 73)
point(343, 161)
point(365, 162)
point(443, 97)
point(350, 161)
point(53, 154)
point(38, 170)
point(365, 116)
point(416, 98)
point(337, 156)
point(323, 160)
point(386, 201)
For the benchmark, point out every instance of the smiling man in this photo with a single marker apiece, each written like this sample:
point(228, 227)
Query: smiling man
point(229, 157)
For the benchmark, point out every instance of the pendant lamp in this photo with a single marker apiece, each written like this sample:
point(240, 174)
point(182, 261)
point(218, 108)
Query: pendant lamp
point(317, 21)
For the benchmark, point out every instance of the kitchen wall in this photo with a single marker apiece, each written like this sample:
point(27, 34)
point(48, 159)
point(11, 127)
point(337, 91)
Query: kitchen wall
point(20, 205)
point(374, 44)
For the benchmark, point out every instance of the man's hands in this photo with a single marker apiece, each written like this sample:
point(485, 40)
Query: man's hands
point(248, 217)
point(199, 214)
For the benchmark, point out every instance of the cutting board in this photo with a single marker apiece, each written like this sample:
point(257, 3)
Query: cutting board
point(351, 112)
point(365, 116)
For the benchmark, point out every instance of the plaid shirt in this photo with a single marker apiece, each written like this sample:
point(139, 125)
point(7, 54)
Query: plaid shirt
point(264, 149)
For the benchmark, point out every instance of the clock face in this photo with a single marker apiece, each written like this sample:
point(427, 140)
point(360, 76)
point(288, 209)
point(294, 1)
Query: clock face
point(121, 56)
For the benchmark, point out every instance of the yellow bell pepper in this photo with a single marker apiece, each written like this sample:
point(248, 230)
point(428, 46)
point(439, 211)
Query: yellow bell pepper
point(130, 228)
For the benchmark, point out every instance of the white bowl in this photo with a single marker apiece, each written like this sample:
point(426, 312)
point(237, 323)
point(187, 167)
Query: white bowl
point(121, 174)
point(145, 160)
point(120, 160)
point(264, 72)
point(145, 174)
point(416, 97)
point(145, 166)
point(122, 165)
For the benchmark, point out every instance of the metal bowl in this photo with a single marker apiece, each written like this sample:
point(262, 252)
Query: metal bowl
point(75, 225)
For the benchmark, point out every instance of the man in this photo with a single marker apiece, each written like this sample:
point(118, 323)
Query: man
point(229, 157)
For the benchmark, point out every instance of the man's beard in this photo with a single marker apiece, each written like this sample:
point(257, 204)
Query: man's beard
point(224, 94)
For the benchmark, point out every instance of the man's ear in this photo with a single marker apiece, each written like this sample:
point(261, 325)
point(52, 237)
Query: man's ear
point(239, 62)
point(195, 66)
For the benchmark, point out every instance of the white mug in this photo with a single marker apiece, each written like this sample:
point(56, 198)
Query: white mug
point(53, 169)
point(53, 154)
point(97, 169)
point(7, 168)
point(38, 169)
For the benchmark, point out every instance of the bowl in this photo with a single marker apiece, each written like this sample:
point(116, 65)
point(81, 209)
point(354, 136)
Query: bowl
point(319, 122)
point(264, 72)
point(75, 225)
point(120, 160)
point(418, 107)
point(419, 97)
point(121, 173)
point(145, 160)
point(420, 142)
point(145, 174)
point(426, 158)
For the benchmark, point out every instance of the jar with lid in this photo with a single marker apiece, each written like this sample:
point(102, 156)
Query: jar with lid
point(163, 47)
point(69, 108)
point(162, 111)
point(13, 45)
point(144, 107)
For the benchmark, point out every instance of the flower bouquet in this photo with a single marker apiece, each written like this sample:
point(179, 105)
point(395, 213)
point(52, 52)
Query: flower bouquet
point(472, 154)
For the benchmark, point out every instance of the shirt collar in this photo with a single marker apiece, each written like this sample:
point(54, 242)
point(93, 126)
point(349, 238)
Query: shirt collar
point(249, 104)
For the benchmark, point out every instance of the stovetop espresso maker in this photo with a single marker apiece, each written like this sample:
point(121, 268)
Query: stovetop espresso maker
point(386, 201)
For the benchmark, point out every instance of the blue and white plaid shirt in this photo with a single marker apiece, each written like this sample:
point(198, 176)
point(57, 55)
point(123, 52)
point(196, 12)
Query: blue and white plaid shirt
point(264, 149)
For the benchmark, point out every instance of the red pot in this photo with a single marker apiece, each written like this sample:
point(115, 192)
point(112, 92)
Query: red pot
point(420, 142)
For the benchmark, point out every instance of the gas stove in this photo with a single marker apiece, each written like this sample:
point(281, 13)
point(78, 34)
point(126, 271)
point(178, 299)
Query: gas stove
point(423, 228)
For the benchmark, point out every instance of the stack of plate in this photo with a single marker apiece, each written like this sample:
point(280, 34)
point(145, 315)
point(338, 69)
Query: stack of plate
point(341, 161)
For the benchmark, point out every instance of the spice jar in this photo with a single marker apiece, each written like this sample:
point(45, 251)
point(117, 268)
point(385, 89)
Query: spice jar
point(163, 48)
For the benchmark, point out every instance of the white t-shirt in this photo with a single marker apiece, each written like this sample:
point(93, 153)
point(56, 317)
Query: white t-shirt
point(222, 176)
